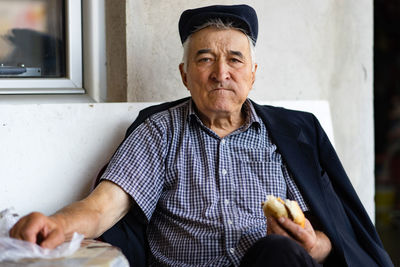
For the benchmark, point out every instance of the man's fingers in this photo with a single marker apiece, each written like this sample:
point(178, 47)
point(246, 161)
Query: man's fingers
point(289, 225)
point(37, 228)
point(304, 236)
point(273, 227)
point(53, 239)
point(26, 228)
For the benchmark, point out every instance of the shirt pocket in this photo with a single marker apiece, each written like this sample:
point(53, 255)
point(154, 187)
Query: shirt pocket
point(259, 174)
point(265, 154)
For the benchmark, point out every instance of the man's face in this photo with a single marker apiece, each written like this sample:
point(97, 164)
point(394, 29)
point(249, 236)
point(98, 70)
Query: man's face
point(219, 73)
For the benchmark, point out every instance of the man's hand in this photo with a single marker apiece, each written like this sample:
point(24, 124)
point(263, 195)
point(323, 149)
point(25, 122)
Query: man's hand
point(40, 229)
point(316, 243)
point(105, 206)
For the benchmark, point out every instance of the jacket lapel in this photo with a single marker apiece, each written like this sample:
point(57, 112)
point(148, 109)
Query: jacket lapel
point(296, 152)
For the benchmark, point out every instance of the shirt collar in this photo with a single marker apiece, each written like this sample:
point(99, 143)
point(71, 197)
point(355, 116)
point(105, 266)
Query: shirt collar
point(251, 117)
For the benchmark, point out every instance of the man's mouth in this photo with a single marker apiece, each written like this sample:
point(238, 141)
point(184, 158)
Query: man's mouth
point(222, 88)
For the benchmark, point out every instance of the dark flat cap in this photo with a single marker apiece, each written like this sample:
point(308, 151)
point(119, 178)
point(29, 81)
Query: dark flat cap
point(243, 17)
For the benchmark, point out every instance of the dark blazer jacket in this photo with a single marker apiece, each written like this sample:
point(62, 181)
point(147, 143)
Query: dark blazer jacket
point(335, 207)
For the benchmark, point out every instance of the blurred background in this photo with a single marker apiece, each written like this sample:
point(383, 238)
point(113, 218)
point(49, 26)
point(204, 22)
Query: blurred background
point(387, 123)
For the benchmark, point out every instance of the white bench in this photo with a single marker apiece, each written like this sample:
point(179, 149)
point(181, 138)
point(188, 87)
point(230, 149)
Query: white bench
point(51, 153)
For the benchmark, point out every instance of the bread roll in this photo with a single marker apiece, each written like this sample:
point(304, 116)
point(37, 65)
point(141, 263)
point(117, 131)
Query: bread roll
point(277, 208)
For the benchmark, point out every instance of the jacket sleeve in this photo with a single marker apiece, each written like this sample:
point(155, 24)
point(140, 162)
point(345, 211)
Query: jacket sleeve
point(342, 198)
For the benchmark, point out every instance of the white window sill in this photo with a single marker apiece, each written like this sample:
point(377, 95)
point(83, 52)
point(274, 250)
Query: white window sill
point(45, 99)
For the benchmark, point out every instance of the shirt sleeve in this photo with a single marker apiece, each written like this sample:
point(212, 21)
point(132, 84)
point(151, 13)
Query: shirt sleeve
point(138, 165)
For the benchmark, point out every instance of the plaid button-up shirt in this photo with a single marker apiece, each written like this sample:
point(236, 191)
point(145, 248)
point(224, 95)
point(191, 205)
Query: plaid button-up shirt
point(201, 193)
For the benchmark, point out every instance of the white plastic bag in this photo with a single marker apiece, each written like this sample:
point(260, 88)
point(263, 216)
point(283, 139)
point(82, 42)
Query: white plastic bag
point(12, 249)
point(7, 219)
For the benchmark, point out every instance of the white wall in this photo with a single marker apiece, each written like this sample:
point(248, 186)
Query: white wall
point(51, 153)
point(306, 50)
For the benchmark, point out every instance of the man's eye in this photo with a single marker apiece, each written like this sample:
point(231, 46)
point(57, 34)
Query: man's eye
point(235, 60)
point(204, 59)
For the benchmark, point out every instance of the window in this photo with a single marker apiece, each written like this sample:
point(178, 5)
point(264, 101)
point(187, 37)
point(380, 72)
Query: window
point(66, 75)
point(71, 32)
point(32, 42)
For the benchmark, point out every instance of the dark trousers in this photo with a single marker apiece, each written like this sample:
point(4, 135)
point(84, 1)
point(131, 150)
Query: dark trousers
point(276, 250)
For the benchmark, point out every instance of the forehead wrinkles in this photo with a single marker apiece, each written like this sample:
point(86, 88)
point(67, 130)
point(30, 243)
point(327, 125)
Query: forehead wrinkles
point(219, 41)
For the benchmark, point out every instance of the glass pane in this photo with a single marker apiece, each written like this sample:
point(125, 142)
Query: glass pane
point(32, 38)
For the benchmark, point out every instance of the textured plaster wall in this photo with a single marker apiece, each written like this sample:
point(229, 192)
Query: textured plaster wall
point(306, 50)
point(116, 50)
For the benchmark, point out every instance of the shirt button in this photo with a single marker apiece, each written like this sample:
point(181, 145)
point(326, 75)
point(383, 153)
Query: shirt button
point(224, 172)
point(232, 250)
point(230, 222)
point(226, 201)
point(223, 141)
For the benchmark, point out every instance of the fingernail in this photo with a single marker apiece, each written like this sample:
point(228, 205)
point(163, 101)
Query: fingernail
point(281, 219)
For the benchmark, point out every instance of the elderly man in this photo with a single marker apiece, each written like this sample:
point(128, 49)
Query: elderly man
point(196, 170)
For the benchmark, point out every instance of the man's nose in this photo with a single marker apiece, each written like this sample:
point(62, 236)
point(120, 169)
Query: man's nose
point(220, 71)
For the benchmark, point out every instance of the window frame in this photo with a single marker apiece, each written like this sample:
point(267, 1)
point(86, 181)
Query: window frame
point(85, 42)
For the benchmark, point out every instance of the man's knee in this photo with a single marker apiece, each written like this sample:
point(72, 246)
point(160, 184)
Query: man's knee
point(276, 245)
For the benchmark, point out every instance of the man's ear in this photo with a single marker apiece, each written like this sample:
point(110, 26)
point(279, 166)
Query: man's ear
point(254, 74)
point(183, 74)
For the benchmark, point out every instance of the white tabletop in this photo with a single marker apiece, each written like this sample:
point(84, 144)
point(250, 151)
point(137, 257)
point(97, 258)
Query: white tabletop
point(91, 253)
